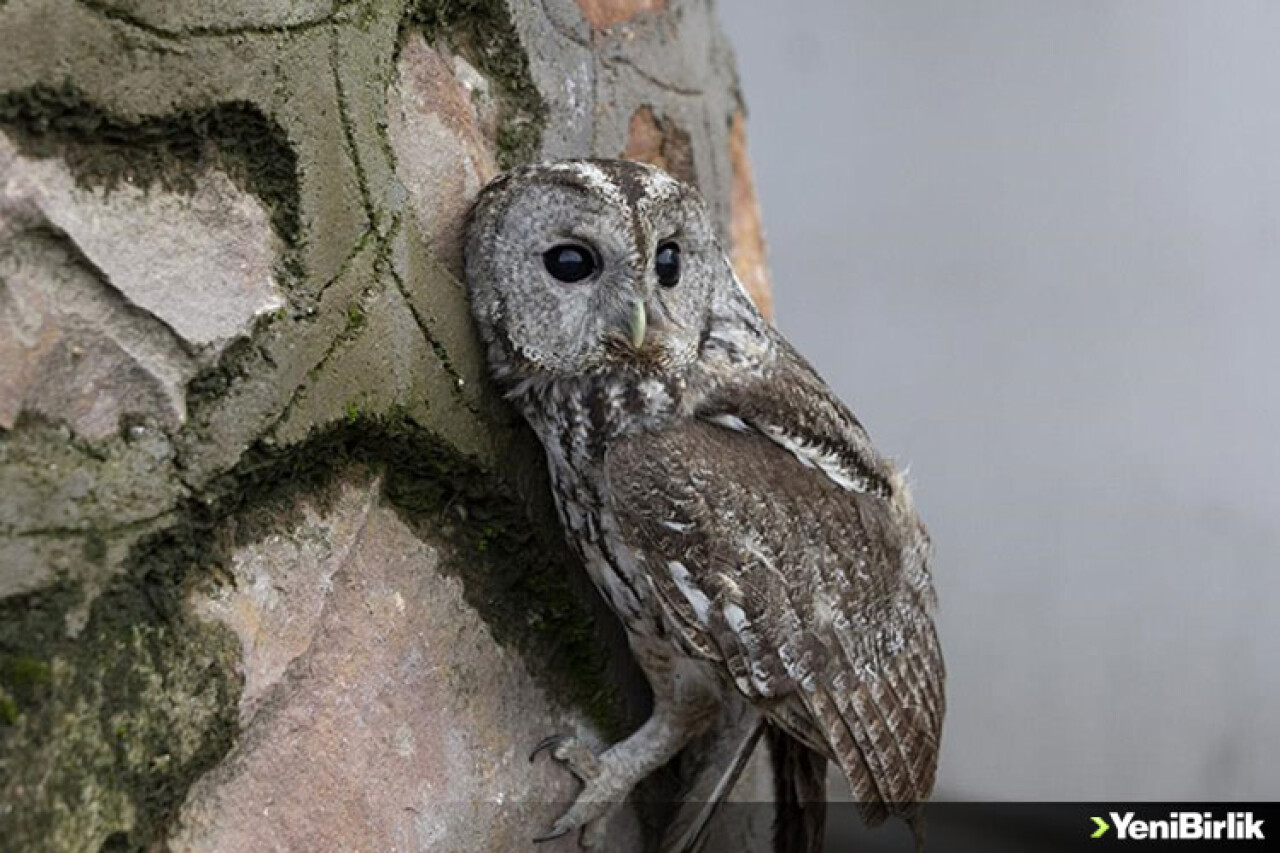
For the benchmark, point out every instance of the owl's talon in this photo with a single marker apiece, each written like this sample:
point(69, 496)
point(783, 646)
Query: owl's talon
point(589, 815)
point(547, 743)
point(600, 792)
point(557, 831)
point(572, 753)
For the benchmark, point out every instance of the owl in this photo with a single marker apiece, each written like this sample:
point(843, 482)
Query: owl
point(728, 507)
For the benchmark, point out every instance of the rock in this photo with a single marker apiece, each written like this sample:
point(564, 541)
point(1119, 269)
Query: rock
point(72, 513)
point(663, 143)
point(378, 711)
point(439, 110)
point(603, 14)
point(111, 299)
point(201, 262)
point(73, 351)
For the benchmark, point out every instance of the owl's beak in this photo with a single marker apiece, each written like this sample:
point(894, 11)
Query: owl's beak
point(638, 322)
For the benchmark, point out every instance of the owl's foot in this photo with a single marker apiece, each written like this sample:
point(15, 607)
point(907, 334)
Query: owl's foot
point(602, 790)
point(608, 778)
point(572, 753)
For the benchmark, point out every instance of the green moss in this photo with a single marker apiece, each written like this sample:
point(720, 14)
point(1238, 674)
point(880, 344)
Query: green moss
point(483, 32)
point(105, 730)
point(356, 318)
point(95, 548)
point(515, 571)
point(104, 150)
point(242, 358)
point(22, 673)
point(23, 678)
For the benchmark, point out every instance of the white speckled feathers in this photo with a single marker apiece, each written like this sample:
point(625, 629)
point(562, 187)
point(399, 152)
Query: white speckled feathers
point(805, 577)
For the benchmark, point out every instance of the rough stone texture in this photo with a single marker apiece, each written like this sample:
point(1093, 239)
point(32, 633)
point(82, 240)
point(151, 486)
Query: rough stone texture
point(70, 512)
point(277, 570)
point(199, 261)
point(439, 113)
point(112, 298)
point(662, 143)
point(74, 350)
point(222, 18)
point(603, 14)
point(364, 737)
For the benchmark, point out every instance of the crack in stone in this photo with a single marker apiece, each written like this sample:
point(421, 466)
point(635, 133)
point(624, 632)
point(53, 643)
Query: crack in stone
point(650, 78)
point(441, 353)
point(90, 529)
point(559, 28)
point(382, 261)
point(334, 344)
point(609, 62)
point(363, 240)
point(113, 14)
point(348, 131)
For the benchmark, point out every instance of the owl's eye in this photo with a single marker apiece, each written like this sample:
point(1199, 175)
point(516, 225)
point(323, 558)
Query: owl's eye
point(667, 264)
point(568, 262)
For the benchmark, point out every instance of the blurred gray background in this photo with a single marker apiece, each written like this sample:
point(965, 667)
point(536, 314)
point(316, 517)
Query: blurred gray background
point(1036, 246)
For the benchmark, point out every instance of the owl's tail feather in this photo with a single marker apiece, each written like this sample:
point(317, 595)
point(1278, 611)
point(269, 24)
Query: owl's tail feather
point(876, 755)
point(800, 794)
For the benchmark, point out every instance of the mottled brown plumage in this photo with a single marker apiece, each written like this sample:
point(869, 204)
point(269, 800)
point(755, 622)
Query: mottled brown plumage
point(731, 510)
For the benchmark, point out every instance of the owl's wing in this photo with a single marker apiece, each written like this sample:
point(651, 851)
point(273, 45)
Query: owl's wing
point(781, 546)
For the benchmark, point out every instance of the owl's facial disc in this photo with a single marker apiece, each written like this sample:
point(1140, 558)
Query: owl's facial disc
point(589, 266)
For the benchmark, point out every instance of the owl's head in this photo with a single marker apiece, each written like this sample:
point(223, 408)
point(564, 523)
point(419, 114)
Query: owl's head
point(586, 266)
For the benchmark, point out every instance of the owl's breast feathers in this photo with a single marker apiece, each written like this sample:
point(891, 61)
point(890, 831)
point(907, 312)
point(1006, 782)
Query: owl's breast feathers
point(781, 546)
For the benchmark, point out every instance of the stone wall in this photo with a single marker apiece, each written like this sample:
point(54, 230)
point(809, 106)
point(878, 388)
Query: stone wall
point(277, 571)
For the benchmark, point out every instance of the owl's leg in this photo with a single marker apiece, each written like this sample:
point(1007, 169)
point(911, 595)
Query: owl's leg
point(682, 707)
